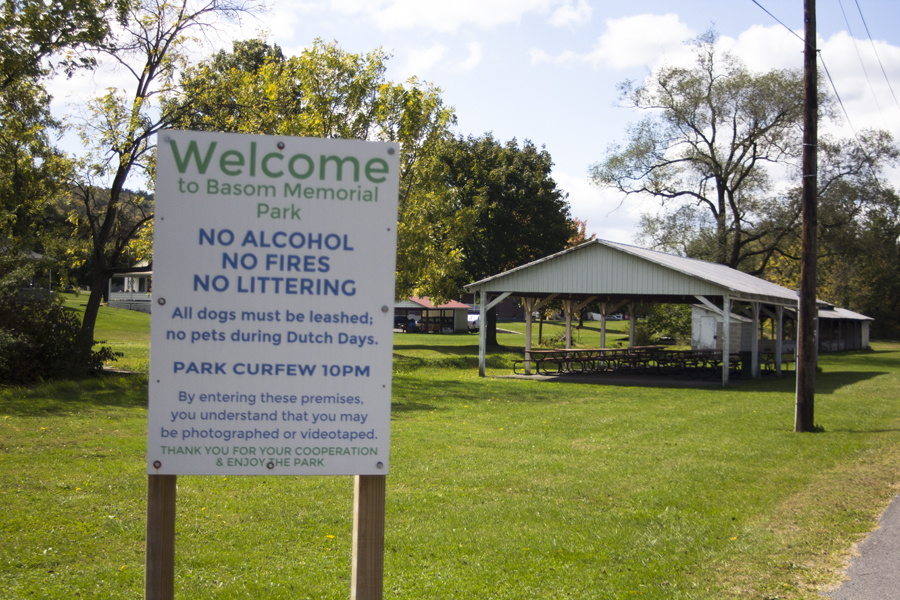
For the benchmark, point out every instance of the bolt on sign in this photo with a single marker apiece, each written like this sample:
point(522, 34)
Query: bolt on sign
point(273, 293)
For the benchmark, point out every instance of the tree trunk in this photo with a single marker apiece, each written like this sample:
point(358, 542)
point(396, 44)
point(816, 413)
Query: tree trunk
point(491, 332)
point(98, 286)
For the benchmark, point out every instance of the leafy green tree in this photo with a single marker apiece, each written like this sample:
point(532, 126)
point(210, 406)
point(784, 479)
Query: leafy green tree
point(702, 152)
point(37, 37)
point(329, 92)
point(522, 214)
point(32, 171)
point(511, 207)
point(668, 320)
point(151, 45)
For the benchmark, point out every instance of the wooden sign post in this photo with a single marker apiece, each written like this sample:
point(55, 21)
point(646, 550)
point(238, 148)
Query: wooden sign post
point(367, 581)
point(159, 577)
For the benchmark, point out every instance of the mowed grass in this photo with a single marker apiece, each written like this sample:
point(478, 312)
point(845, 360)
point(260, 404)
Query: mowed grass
point(125, 331)
point(499, 488)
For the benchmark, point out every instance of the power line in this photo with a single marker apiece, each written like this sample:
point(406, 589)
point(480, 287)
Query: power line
point(871, 41)
point(862, 64)
point(819, 54)
point(828, 74)
point(765, 10)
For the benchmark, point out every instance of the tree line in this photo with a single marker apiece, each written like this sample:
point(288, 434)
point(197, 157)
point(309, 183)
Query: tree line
point(470, 206)
point(719, 149)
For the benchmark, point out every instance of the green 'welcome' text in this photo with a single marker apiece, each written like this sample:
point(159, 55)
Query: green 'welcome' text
point(274, 165)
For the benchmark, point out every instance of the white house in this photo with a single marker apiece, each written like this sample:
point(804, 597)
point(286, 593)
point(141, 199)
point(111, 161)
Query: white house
point(131, 290)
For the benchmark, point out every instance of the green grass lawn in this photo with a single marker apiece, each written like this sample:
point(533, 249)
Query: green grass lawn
point(125, 331)
point(499, 488)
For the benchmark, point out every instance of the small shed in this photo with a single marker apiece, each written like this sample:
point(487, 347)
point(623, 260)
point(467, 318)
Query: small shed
point(707, 331)
point(449, 317)
point(838, 329)
point(842, 329)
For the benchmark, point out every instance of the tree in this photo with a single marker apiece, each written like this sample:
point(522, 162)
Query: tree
point(672, 320)
point(702, 152)
point(32, 171)
point(150, 49)
point(513, 210)
point(858, 230)
point(37, 37)
point(580, 235)
point(329, 92)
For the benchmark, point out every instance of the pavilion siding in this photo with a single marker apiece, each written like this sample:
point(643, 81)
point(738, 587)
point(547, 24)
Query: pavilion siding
point(622, 274)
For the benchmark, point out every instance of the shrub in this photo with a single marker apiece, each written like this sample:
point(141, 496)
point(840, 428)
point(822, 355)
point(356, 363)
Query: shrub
point(643, 336)
point(40, 339)
point(672, 320)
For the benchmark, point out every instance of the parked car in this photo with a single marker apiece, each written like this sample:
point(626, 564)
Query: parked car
point(406, 324)
point(473, 319)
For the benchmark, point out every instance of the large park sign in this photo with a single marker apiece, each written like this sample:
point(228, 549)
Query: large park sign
point(273, 290)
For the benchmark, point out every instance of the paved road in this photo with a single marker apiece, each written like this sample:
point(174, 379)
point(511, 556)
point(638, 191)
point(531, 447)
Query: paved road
point(875, 573)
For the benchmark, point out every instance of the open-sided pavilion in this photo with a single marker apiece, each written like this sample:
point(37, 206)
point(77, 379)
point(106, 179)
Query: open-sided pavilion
point(615, 275)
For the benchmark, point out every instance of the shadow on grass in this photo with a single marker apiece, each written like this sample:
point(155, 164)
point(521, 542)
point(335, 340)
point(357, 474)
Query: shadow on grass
point(123, 391)
point(418, 394)
point(455, 350)
point(831, 381)
point(868, 358)
point(826, 383)
point(410, 407)
point(857, 431)
point(451, 360)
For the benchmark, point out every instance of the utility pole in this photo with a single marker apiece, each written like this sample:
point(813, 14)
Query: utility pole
point(807, 313)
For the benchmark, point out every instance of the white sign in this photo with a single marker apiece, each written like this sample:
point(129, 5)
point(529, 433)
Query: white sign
point(273, 295)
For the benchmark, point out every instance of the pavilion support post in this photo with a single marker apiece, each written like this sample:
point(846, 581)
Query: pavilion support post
point(482, 334)
point(818, 336)
point(754, 349)
point(529, 308)
point(631, 325)
point(603, 325)
point(779, 336)
point(569, 306)
point(726, 338)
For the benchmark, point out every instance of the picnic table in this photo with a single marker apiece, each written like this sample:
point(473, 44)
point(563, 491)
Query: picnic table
point(635, 359)
point(767, 360)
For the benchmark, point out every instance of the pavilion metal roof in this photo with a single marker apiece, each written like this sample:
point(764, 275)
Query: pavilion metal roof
point(616, 270)
point(425, 302)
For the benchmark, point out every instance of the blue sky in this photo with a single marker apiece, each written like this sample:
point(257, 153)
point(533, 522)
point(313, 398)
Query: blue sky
point(546, 70)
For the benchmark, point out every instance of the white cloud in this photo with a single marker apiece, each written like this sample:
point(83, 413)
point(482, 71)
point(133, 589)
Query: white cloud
point(860, 82)
point(567, 14)
point(419, 61)
point(538, 56)
point(633, 42)
point(447, 16)
point(601, 209)
point(853, 65)
point(767, 48)
point(475, 54)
